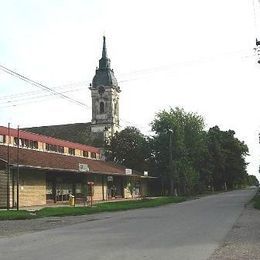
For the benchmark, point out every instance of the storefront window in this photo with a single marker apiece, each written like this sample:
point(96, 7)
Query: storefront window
point(2, 139)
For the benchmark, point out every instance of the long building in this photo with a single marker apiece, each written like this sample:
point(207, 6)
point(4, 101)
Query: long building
point(39, 170)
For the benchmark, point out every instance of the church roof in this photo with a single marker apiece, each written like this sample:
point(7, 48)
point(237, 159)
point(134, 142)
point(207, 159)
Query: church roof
point(104, 74)
point(78, 133)
point(71, 132)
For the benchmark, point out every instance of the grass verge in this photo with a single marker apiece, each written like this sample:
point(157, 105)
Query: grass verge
point(13, 214)
point(256, 201)
point(101, 207)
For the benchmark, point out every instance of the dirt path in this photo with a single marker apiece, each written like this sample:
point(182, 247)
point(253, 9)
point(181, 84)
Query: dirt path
point(243, 240)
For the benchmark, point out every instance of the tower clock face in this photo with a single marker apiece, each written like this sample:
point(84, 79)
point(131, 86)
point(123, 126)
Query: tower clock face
point(101, 90)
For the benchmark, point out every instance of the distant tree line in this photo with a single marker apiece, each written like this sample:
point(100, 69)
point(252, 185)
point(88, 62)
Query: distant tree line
point(185, 158)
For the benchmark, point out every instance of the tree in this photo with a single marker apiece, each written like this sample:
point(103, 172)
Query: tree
point(252, 180)
point(186, 158)
point(227, 158)
point(178, 143)
point(130, 148)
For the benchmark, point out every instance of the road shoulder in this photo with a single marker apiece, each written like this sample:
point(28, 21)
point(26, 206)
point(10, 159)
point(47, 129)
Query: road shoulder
point(243, 240)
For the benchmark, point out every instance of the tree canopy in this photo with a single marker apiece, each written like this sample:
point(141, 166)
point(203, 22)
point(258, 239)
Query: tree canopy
point(182, 133)
point(185, 157)
point(130, 148)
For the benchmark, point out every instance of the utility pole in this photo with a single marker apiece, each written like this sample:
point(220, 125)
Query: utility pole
point(172, 167)
point(8, 170)
point(18, 169)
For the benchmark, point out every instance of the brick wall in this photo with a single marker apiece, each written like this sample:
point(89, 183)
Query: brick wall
point(3, 188)
point(98, 195)
point(32, 188)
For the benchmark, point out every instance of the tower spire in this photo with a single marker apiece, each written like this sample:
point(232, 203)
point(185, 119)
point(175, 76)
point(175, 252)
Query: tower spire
point(104, 51)
point(104, 62)
point(105, 98)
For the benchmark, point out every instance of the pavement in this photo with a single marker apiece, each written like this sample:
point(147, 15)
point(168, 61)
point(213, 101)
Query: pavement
point(194, 229)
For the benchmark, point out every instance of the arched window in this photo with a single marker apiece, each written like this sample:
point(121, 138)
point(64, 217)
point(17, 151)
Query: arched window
point(101, 107)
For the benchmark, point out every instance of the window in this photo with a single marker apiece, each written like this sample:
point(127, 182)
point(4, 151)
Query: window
point(16, 141)
point(116, 107)
point(79, 189)
point(26, 143)
point(60, 149)
point(85, 153)
point(71, 151)
point(33, 144)
point(2, 139)
point(20, 142)
point(101, 90)
point(54, 148)
point(93, 155)
point(47, 146)
point(101, 107)
point(51, 147)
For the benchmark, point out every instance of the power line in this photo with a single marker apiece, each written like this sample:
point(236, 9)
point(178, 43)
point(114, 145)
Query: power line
point(40, 85)
point(36, 92)
point(129, 123)
point(138, 75)
point(146, 71)
point(16, 102)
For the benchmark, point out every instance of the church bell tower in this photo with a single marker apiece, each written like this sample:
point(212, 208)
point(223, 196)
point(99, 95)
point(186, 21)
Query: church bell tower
point(105, 98)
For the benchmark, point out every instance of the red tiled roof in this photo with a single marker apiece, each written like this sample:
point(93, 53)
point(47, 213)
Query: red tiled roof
point(47, 139)
point(47, 160)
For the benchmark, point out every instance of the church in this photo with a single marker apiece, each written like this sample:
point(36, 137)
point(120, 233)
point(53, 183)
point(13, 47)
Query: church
point(46, 165)
point(105, 110)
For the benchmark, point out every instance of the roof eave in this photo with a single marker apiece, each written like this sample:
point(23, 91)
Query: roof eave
point(71, 170)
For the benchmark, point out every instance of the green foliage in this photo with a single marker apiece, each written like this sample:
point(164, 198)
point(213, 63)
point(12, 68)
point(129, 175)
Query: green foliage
point(13, 214)
point(252, 180)
point(130, 148)
point(192, 160)
point(66, 211)
point(184, 156)
point(178, 147)
point(101, 207)
point(226, 158)
point(108, 207)
point(256, 201)
point(143, 203)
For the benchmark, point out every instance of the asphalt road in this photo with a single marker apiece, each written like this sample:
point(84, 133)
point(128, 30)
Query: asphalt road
point(190, 230)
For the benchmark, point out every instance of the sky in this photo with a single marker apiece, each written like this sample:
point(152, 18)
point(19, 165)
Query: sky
point(198, 55)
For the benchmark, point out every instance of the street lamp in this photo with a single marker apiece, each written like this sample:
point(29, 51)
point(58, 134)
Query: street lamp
point(172, 165)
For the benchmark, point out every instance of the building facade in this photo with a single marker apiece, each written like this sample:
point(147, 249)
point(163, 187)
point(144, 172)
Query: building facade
point(38, 170)
point(37, 166)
